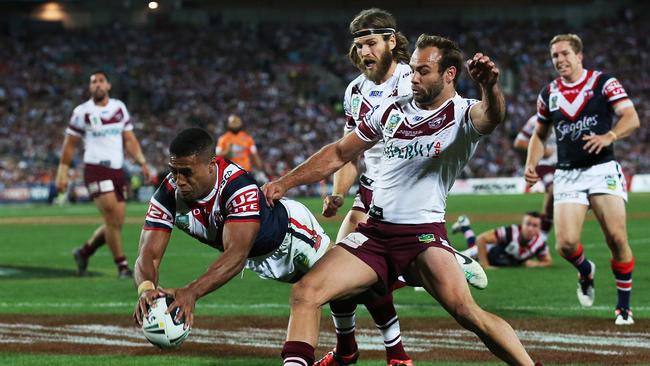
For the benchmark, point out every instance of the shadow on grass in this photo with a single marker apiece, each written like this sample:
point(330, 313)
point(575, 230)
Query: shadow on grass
point(29, 272)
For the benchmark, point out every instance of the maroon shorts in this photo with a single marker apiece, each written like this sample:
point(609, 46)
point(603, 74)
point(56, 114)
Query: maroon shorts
point(545, 174)
point(100, 179)
point(389, 248)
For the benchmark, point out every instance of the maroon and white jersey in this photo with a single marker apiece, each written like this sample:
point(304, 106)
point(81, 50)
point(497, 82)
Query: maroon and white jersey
point(423, 153)
point(516, 247)
point(585, 107)
point(234, 197)
point(527, 131)
point(363, 97)
point(101, 128)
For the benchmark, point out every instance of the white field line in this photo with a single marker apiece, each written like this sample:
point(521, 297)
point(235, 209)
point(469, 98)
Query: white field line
point(417, 341)
point(57, 305)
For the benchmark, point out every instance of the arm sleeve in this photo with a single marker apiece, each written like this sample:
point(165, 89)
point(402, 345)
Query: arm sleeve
point(543, 113)
point(615, 94)
point(370, 128)
point(162, 206)
point(76, 127)
point(128, 126)
point(350, 123)
point(241, 198)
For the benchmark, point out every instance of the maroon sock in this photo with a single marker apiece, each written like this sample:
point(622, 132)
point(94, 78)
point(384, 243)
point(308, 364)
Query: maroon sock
point(296, 353)
point(343, 315)
point(121, 263)
point(383, 313)
point(87, 250)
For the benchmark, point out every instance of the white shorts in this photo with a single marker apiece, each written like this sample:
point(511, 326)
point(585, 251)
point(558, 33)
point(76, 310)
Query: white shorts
point(576, 185)
point(303, 245)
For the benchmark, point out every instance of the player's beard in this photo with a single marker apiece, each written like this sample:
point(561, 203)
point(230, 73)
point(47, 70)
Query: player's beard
point(99, 95)
point(381, 68)
point(426, 96)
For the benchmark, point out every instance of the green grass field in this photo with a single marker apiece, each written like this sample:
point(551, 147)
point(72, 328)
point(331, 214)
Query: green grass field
point(37, 274)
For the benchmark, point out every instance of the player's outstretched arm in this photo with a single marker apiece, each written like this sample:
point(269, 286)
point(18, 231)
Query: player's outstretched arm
point(481, 242)
point(491, 110)
point(536, 151)
point(319, 166)
point(151, 250)
point(238, 239)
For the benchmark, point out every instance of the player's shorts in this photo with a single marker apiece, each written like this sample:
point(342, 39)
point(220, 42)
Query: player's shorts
point(498, 257)
point(389, 248)
point(576, 185)
point(100, 179)
point(303, 245)
point(545, 174)
point(363, 198)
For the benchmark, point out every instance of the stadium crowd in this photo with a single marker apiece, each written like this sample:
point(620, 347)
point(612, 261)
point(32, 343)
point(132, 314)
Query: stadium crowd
point(285, 81)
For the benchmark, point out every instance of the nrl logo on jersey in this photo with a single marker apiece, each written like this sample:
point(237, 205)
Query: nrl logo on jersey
point(392, 124)
point(355, 106)
point(182, 222)
point(553, 105)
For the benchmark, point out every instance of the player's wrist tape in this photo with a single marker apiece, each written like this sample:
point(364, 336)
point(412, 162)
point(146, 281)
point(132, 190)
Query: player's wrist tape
point(614, 135)
point(145, 286)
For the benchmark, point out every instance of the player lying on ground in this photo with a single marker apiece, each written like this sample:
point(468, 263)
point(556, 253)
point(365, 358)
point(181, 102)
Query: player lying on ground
point(507, 246)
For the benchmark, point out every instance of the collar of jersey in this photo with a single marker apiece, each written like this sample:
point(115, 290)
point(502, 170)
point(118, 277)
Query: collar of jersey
point(443, 105)
point(580, 79)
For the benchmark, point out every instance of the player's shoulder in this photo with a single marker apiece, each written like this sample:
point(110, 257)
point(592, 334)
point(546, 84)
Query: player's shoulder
point(83, 107)
point(355, 85)
point(117, 102)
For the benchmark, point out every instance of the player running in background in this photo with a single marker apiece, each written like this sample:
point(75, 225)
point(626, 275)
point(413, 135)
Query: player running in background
point(428, 138)
point(545, 168)
point(239, 147)
point(507, 246)
point(105, 126)
point(582, 105)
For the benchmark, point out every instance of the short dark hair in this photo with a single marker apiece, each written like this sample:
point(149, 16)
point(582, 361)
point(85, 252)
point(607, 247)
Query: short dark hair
point(534, 214)
point(100, 72)
point(451, 53)
point(193, 141)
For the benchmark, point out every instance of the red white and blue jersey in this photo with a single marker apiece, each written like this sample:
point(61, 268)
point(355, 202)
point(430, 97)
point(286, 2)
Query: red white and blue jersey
point(516, 247)
point(424, 151)
point(362, 98)
point(585, 107)
point(101, 128)
point(235, 197)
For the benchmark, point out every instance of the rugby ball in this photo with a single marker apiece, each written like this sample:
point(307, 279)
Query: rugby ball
point(160, 328)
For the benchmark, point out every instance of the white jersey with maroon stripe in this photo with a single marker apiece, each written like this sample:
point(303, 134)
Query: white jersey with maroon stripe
point(101, 128)
point(363, 97)
point(424, 152)
point(516, 247)
point(527, 131)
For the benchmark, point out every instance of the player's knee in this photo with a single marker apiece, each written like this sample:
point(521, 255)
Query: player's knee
point(566, 246)
point(304, 293)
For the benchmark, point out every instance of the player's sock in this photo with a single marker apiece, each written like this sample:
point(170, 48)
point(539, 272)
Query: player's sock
point(296, 353)
point(580, 262)
point(383, 313)
point(343, 315)
point(122, 263)
point(92, 245)
point(470, 237)
point(623, 274)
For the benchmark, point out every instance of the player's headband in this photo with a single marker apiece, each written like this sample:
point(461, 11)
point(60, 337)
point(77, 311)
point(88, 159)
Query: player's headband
point(371, 31)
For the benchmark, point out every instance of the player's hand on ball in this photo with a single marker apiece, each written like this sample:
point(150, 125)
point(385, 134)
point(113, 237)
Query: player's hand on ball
point(273, 191)
point(530, 175)
point(145, 301)
point(483, 70)
point(331, 205)
point(185, 299)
